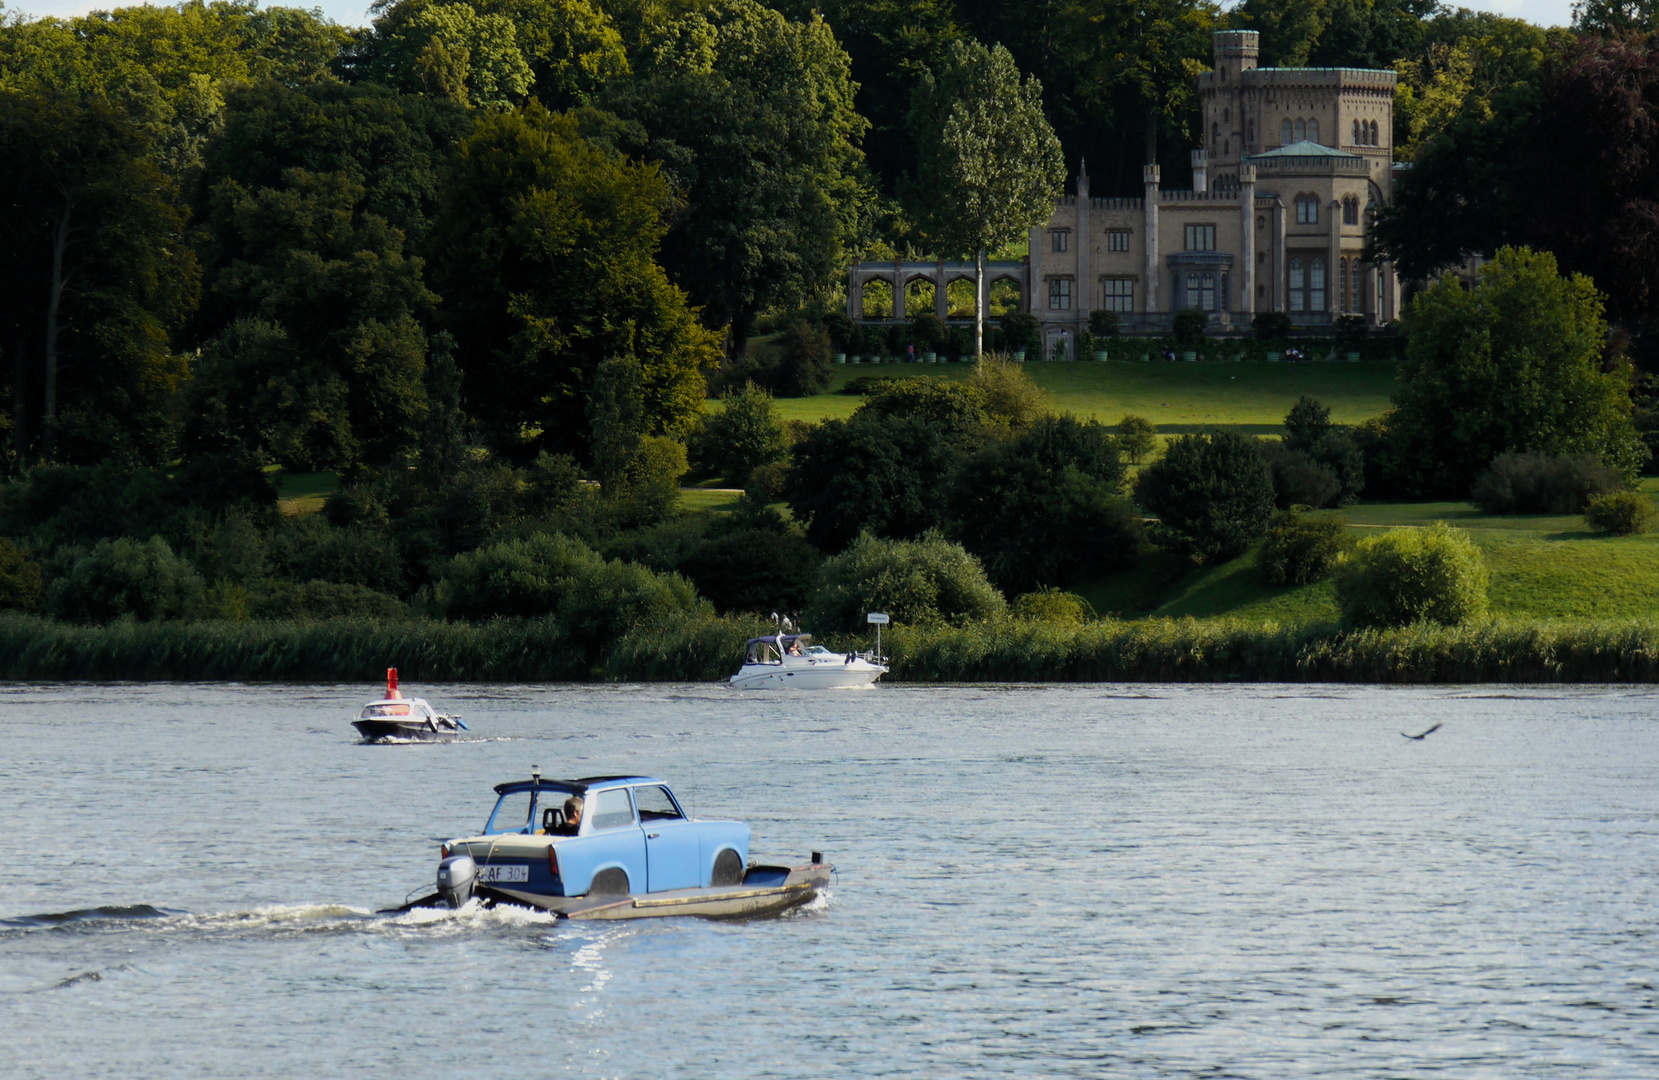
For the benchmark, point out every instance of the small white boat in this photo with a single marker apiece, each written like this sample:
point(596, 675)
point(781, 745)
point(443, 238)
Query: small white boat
point(397, 718)
point(792, 662)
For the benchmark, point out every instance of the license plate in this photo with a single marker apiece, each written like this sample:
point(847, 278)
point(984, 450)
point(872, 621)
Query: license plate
point(503, 873)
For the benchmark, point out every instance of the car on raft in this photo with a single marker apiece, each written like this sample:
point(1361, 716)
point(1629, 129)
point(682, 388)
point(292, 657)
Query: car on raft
point(613, 847)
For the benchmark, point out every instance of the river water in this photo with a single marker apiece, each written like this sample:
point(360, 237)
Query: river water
point(1036, 881)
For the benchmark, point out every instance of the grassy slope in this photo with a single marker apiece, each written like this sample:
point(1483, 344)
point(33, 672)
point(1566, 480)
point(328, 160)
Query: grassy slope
point(1177, 397)
point(1542, 567)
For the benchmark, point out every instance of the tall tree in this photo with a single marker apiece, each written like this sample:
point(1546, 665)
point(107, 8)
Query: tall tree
point(448, 50)
point(752, 118)
point(988, 164)
point(544, 252)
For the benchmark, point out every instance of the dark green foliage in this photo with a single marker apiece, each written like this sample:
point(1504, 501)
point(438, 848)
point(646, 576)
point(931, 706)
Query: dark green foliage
point(1020, 331)
point(1103, 323)
point(957, 407)
point(127, 577)
point(885, 475)
point(1413, 575)
point(742, 436)
point(615, 420)
point(1188, 326)
point(66, 504)
point(840, 329)
point(310, 549)
point(1052, 606)
point(1621, 513)
point(758, 570)
point(1212, 494)
point(1542, 484)
point(1270, 325)
point(1046, 507)
point(1299, 480)
point(231, 549)
point(322, 600)
point(1316, 463)
point(915, 582)
point(1137, 437)
point(1301, 549)
point(1351, 331)
point(804, 364)
point(929, 333)
point(20, 578)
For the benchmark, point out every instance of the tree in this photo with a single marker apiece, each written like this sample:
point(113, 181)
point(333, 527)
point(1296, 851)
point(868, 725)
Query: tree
point(1047, 507)
point(872, 473)
point(323, 366)
point(1611, 18)
point(544, 253)
point(988, 164)
point(1413, 575)
point(1212, 494)
point(449, 50)
point(96, 274)
point(743, 435)
point(1515, 364)
point(616, 421)
point(916, 582)
point(573, 47)
point(752, 118)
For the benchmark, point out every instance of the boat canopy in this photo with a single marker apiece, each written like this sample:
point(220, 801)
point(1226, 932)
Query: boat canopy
point(770, 650)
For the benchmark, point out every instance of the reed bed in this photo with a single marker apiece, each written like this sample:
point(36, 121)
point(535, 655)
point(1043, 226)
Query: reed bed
point(709, 649)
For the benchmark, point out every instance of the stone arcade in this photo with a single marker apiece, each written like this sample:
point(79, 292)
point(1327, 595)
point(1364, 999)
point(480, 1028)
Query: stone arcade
point(1276, 219)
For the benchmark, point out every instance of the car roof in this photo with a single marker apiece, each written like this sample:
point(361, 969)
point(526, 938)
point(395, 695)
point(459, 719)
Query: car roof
point(586, 783)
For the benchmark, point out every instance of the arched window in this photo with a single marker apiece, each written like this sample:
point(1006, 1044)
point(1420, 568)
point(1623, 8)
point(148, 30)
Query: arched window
point(1307, 209)
point(1284, 133)
point(1301, 130)
point(1316, 283)
point(1298, 284)
point(1358, 138)
point(1350, 211)
point(1313, 131)
point(1215, 133)
point(1374, 139)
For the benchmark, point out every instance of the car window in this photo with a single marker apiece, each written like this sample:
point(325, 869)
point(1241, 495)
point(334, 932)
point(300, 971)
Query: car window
point(655, 804)
point(512, 812)
point(611, 809)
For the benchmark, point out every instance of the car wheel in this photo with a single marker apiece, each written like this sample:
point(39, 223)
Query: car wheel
point(612, 882)
point(728, 869)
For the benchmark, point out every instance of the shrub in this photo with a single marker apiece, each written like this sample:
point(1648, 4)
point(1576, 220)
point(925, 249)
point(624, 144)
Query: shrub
point(232, 549)
point(1301, 549)
point(1622, 513)
point(914, 581)
point(1299, 480)
point(804, 364)
point(1020, 332)
point(141, 578)
point(1013, 400)
point(1542, 484)
point(20, 578)
point(310, 549)
point(1138, 438)
point(1212, 494)
point(954, 406)
point(1270, 326)
point(745, 433)
point(1413, 575)
point(929, 333)
point(515, 577)
point(1050, 605)
point(754, 570)
point(1188, 326)
point(653, 480)
point(1103, 323)
point(1350, 332)
point(886, 475)
point(322, 600)
point(840, 329)
point(602, 601)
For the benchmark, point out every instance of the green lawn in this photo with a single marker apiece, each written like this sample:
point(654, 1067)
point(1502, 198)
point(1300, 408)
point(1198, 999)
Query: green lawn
point(1178, 397)
point(304, 493)
point(1542, 567)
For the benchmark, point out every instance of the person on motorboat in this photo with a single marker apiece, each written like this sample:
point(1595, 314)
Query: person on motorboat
point(573, 816)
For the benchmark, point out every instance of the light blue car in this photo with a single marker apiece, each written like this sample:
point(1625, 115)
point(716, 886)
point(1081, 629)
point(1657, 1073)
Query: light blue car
point(614, 847)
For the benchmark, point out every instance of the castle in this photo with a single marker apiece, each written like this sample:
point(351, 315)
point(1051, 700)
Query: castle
point(1275, 221)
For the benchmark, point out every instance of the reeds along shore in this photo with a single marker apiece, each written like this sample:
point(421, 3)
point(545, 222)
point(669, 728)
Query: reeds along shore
point(708, 649)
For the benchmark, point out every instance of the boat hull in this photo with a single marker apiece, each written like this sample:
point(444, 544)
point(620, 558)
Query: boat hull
point(766, 890)
point(822, 676)
point(402, 730)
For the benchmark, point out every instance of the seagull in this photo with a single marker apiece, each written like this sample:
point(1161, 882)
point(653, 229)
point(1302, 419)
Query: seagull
point(1423, 736)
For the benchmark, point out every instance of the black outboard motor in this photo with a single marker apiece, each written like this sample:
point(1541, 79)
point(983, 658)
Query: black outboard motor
point(456, 877)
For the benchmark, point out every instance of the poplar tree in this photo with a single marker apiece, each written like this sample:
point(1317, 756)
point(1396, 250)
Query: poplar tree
point(988, 164)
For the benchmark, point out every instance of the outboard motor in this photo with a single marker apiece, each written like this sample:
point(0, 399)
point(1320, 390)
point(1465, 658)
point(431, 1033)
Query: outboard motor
point(456, 877)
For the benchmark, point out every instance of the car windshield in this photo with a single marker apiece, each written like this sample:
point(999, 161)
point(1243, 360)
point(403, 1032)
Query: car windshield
point(511, 813)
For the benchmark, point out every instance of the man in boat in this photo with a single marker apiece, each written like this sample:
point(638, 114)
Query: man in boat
point(573, 816)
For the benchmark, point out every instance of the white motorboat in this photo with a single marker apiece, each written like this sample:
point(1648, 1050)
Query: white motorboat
point(395, 718)
point(791, 661)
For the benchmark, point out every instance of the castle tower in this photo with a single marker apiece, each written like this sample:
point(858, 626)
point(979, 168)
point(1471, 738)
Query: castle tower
point(1223, 101)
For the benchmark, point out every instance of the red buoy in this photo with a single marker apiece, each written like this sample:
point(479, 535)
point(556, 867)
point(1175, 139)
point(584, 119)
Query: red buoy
point(391, 683)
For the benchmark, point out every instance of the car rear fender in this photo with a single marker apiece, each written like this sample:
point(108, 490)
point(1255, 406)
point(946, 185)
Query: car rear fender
point(717, 836)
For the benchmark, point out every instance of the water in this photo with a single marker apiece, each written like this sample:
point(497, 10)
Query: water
point(1055, 881)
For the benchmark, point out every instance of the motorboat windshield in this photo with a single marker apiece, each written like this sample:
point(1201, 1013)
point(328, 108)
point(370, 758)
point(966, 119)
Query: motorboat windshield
point(772, 650)
point(381, 709)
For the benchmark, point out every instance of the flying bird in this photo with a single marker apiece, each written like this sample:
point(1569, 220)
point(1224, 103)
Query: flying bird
point(1422, 736)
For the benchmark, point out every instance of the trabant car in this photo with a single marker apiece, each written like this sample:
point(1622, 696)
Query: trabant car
point(633, 852)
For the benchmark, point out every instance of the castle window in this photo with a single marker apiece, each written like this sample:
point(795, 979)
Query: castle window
point(1058, 239)
point(1358, 138)
point(1354, 286)
point(1301, 131)
point(1059, 294)
point(1250, 130)
point(1350, 211)
point(1200, 291)
point(1200, 237)
point(1316, 283)
point(1374, 139)
point(1298, 284)
point(1117, 294)
point(1313, 131)
point(1117, 239)
point(1284, 133)
point(1307, 209)
point(1215, 133)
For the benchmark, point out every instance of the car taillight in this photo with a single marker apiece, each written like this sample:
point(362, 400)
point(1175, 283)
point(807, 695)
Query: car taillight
point(552, 861)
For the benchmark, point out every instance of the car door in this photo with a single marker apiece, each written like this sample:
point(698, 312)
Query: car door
point(611, 838)
point(671, 860)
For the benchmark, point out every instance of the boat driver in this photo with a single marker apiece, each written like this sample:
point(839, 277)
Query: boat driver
point(573, 816)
